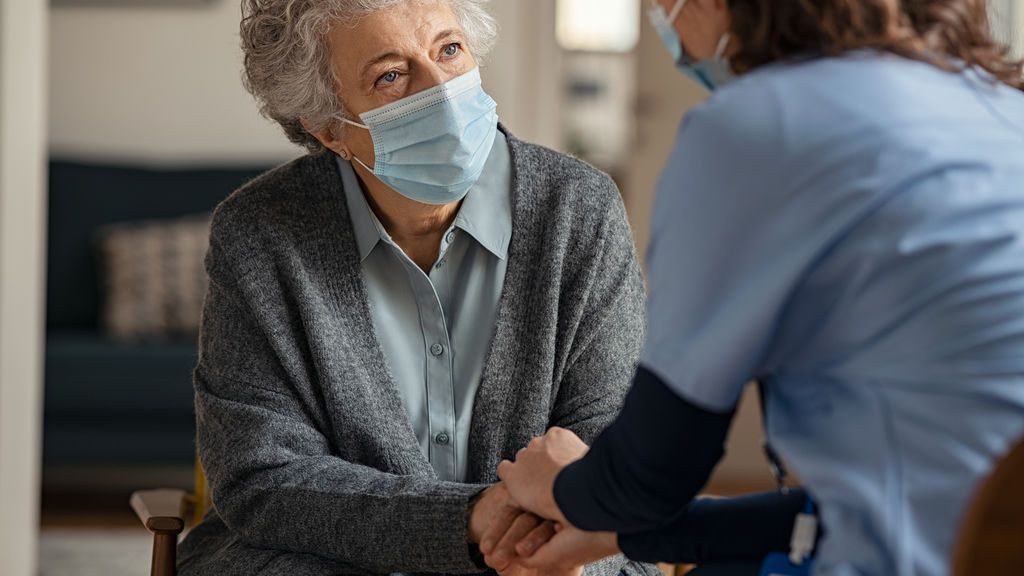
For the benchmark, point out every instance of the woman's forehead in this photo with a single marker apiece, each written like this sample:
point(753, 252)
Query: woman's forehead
point(406, 26)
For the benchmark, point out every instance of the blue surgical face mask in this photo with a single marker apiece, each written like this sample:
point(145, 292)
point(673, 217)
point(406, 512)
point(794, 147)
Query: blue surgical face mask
point(711, 72)
point(431, 147)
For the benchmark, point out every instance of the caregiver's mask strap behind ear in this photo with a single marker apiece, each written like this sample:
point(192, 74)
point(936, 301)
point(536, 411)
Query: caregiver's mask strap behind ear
point(431, 147)
point(665, 25)
point(712, 72)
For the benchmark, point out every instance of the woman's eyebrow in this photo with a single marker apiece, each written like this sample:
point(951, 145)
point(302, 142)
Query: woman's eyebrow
point(446, 34)
point(396, 56)
point(377, 60)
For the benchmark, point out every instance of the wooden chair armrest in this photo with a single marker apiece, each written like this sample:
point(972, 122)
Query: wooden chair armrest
point(162, 513)
point(160, 510)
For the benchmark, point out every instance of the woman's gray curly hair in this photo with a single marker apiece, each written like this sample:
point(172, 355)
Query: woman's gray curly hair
point(288, 63)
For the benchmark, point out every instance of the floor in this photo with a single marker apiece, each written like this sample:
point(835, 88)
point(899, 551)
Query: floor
point(88, 528)
point(96, 551)
point(95, 533)
point(106, 551)
point(99, 537)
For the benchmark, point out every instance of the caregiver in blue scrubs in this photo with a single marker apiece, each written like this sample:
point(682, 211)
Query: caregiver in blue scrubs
point(842, 220)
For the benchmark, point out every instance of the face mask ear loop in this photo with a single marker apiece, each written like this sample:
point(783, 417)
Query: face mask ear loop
point(356, 124)
point(723, 45)
point(674, 14)
point(360, 162)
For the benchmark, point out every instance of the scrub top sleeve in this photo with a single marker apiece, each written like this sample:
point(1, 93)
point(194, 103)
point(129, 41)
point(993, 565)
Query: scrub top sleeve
point(724, 254)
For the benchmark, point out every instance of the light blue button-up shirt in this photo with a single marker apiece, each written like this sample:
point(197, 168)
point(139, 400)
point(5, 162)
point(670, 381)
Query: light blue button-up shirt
point(851, 230)
point(435, 329)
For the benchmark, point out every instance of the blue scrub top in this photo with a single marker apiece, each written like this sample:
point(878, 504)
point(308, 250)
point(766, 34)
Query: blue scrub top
point(851, 230)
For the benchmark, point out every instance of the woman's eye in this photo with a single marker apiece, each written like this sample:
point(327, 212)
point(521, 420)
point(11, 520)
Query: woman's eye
point(452, 49)
point(388, 78)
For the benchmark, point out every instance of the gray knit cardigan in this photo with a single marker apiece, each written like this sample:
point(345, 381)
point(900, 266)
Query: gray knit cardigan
point(312, 462)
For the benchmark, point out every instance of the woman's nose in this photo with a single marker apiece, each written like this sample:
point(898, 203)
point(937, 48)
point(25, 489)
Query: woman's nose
point(427, 75)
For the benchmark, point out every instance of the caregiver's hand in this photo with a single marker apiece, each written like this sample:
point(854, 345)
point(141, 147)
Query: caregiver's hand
point(531, 479)
point(568, 548)
point(545, 547)
point(515, 529)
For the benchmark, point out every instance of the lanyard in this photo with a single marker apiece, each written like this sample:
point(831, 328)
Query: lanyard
point(775, 463)
point(805, 529)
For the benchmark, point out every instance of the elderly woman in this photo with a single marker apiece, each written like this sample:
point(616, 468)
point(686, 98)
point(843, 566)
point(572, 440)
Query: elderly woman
point(394, 313)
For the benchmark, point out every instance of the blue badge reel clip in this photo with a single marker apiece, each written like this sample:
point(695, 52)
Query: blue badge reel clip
point(799, 561)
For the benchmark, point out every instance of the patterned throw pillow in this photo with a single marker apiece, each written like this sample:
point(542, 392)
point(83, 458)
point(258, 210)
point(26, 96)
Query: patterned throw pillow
point(152, 275)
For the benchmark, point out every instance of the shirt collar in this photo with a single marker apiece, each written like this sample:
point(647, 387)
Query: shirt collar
point(367, 228)
point(485, 214)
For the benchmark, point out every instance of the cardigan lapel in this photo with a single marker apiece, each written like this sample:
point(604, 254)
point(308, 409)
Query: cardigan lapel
point(336, 250)
point(492, 397)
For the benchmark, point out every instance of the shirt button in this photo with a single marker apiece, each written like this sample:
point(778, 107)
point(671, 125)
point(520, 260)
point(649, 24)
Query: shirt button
point(437, 349)
point(439, 265)
point(442, 439)
point(450, 237)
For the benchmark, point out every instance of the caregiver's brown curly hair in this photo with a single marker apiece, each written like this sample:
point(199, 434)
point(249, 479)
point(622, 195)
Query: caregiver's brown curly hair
point(951, 34)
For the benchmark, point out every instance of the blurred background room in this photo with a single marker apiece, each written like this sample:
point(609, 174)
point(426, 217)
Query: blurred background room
point(135, 114)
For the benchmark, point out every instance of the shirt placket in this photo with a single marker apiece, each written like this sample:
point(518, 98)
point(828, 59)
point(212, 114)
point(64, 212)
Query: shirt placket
point(438, 375)
point(446, 441)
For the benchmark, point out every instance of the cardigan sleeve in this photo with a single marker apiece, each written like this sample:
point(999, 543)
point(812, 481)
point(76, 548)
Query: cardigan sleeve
point(608, 329)
point(609, 336)
point(274, 479)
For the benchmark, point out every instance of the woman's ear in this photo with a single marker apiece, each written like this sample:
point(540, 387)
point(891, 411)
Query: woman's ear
point(330, 139)
point(722, 8)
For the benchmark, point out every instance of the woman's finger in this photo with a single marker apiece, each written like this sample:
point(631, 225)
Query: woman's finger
point(505, 551)
point(500, 524)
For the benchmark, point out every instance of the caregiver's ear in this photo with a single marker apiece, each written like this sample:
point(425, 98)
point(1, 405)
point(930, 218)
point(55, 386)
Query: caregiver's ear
point(330, 139)
point(717, 7)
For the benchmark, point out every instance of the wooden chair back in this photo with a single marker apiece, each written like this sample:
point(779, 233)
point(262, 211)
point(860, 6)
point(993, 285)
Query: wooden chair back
point(200, 499)
point(991, 539)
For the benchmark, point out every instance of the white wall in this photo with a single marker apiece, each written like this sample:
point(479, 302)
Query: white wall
point(524, 73)
point(157, 84)
point(1016, 25)
point(1008, 23)
point(163, 84)
point(22, 211)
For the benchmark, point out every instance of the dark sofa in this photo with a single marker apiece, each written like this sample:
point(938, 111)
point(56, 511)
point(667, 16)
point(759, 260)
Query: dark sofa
point(112, 402)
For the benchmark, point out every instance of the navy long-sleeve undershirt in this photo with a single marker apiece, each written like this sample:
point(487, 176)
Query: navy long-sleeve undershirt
point(640, 477)
point(642, 472)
